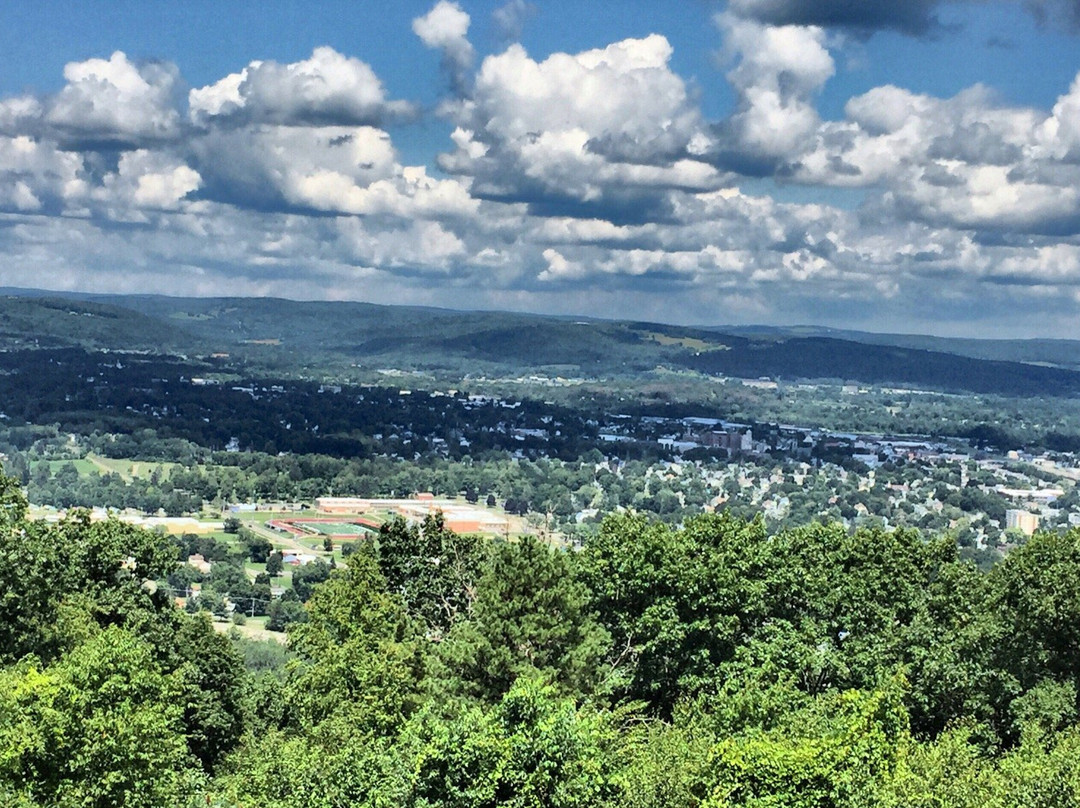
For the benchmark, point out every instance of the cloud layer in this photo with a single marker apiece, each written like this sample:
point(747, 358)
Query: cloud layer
point(915, 17)
point(588, 182)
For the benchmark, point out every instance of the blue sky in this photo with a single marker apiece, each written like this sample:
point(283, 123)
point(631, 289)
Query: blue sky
point(908, 166)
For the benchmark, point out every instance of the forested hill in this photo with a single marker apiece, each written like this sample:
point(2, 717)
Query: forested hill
point(822, 357)
point(290, 337)
point(1059, 352)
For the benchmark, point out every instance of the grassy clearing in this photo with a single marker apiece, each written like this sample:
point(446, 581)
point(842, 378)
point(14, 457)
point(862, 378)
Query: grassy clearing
point(131, 469)
point(94, 464)
point(253, 629)
point(691, 343)
point(84, 467)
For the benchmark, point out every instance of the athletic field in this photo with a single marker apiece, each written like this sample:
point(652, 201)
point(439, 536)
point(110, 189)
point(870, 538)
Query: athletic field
point(325, 527)
point(337, 528)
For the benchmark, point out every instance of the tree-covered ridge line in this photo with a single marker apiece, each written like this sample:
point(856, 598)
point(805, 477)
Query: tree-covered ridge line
point(708, 664)
point(298, 339)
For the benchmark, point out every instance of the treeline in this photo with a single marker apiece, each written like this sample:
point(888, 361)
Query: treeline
point(86, 393)
point(566, 496)
point(705, 665)
point(553, 488)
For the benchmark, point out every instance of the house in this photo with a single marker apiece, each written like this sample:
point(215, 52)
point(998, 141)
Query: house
point(199, 562)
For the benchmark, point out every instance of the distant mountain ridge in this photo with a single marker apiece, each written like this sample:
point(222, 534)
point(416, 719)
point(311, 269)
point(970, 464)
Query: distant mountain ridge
point(275, 335)
point(1060, 352)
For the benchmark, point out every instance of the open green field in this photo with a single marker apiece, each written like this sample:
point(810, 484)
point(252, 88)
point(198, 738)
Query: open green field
point(84, 467)
point(126, 468)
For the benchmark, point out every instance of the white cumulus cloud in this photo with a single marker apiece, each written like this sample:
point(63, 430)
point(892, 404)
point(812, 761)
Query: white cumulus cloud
point(148, 180)
point(584, 126)
point(445, 27)
point(328, 88)
point(779, 70)
point(116, 101)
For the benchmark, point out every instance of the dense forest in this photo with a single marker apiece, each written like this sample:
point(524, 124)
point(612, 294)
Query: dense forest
point(707, 664)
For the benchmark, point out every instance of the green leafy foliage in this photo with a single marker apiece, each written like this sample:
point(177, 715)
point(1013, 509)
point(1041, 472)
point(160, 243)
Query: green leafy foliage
point(359, 651)
point(101, 727)
point(532, 749)
point(57, 580)
point(721, 606)
point(709, 664)
point(1032, 633)
point(834, 753)
point(530, 617)
point(434, 569)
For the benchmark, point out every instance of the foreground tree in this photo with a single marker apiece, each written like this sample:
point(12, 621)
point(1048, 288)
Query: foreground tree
point(66, 590)
point(433, 569)
point(1032, 629)
point(530, 617)
point(103, 727)
point(359, 651)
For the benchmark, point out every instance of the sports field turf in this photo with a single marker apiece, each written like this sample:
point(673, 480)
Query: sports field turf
point(335, 528)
